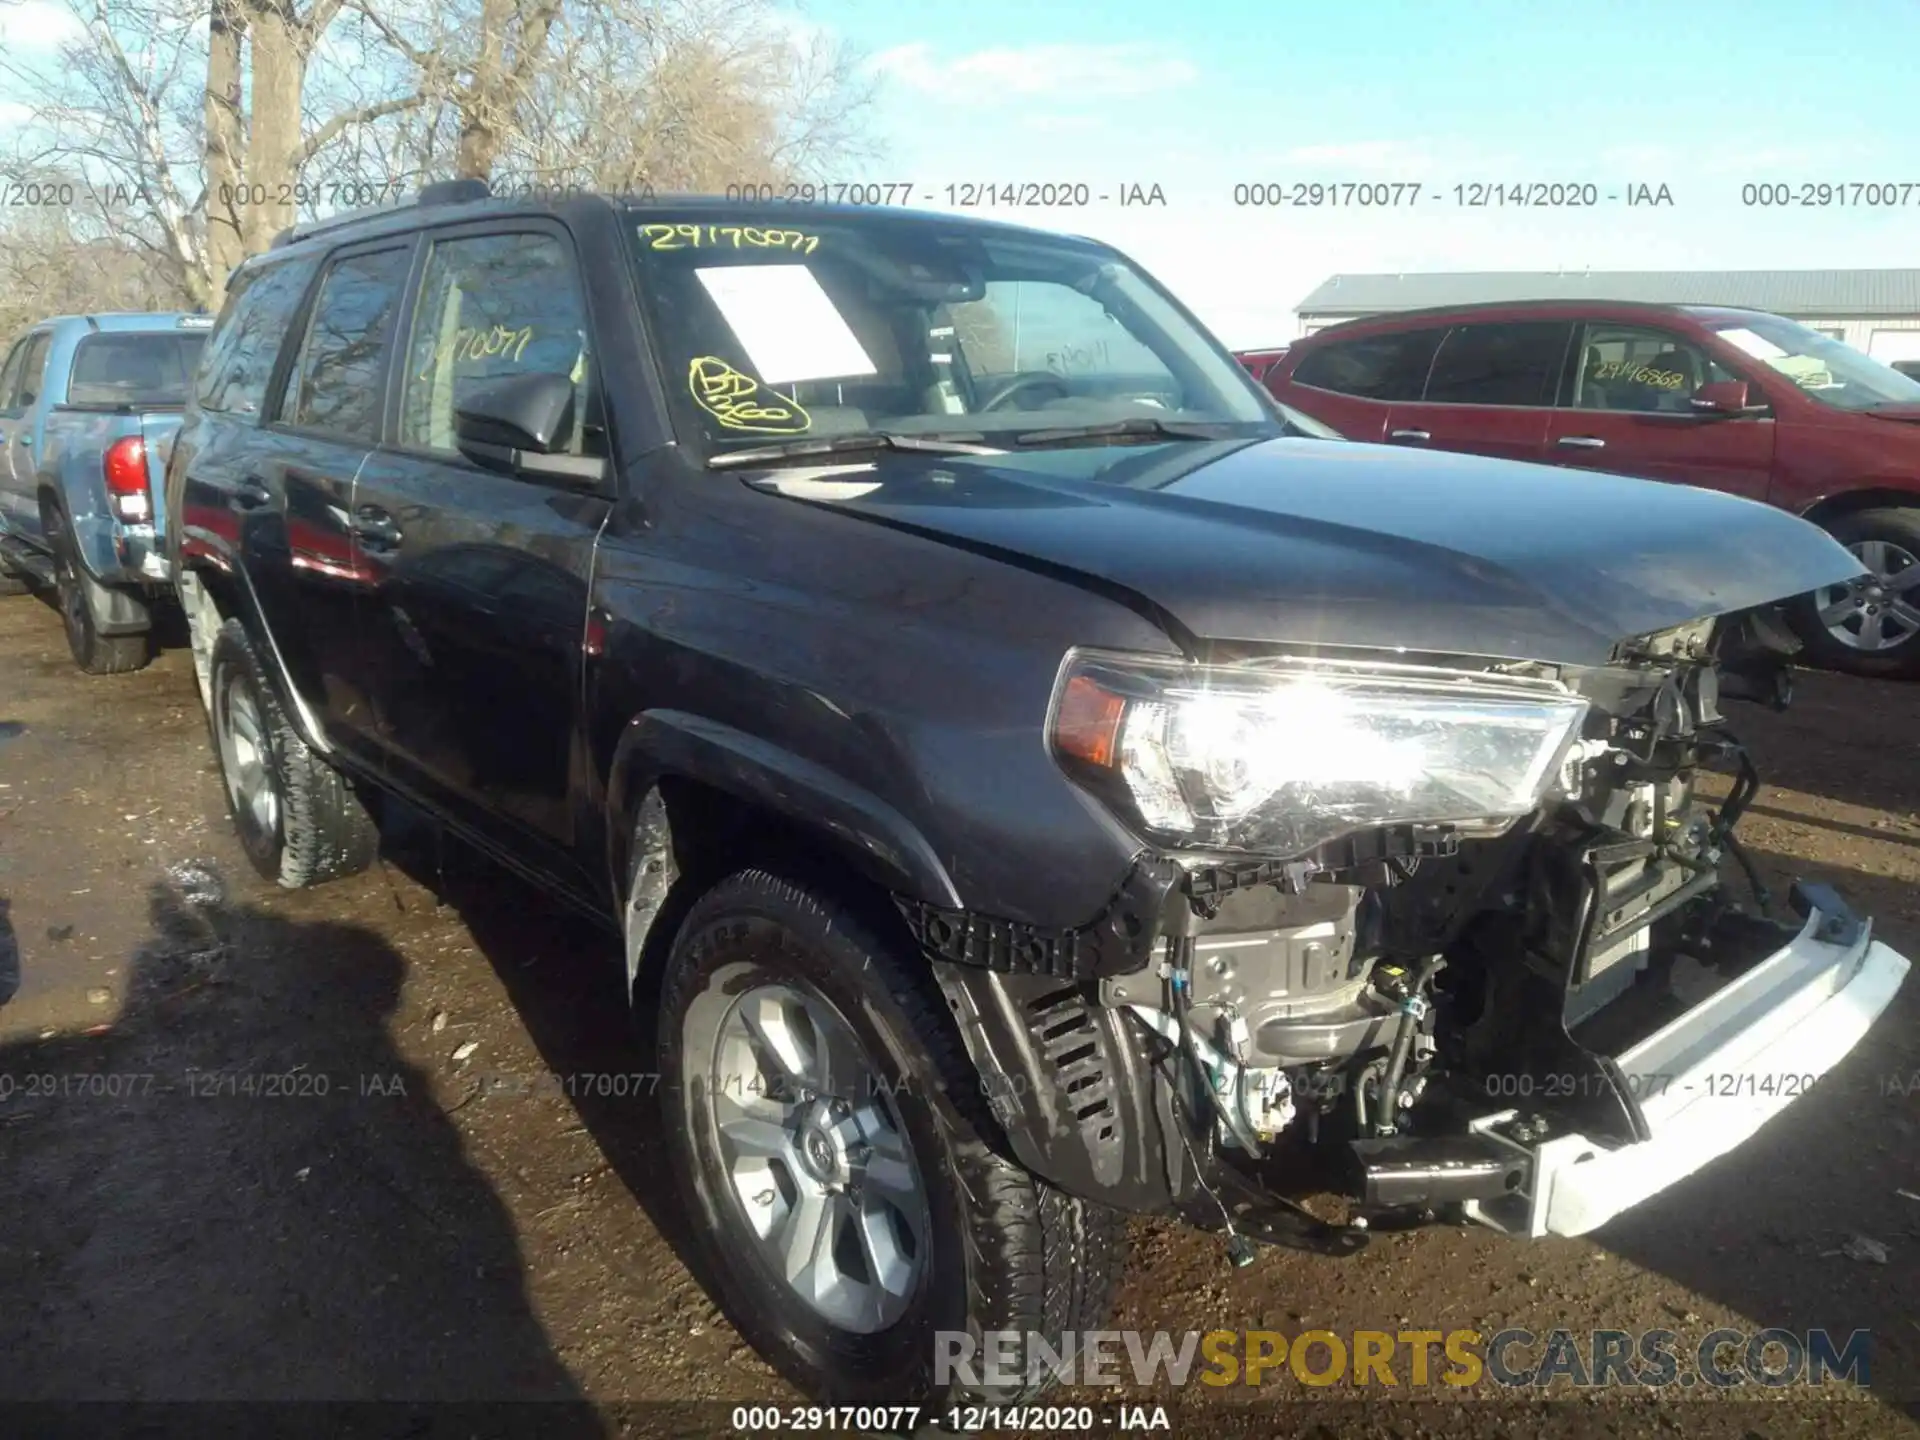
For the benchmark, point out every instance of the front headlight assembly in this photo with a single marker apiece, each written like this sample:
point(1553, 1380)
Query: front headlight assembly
point(1278, 756)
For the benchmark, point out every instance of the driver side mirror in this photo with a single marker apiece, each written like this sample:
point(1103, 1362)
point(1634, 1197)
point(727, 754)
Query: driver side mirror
point(518, 425)
point(1724, 397)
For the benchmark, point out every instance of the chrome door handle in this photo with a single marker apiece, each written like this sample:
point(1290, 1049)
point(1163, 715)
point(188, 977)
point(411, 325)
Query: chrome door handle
point(1409, 435)
point(249, 495)
point(1582, 442)
point(374, 529)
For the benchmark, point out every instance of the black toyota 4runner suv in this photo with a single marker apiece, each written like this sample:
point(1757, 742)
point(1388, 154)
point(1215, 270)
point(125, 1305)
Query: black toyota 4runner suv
point(1035, 782)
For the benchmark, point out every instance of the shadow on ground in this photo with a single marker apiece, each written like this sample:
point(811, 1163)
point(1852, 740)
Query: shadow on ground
point(247, 1106)
point(565, 976)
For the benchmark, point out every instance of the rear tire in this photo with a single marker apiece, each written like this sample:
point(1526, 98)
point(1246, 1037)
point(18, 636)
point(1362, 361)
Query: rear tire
point(299, 821)
point(93, 652)
point(1873, 628)
point(996, 1249)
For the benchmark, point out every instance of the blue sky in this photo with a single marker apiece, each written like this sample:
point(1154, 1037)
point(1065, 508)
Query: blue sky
point(1702, 96)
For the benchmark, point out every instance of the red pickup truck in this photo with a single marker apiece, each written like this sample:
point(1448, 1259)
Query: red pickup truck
point(1726, 399)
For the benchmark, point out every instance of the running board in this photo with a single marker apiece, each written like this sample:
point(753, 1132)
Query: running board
point(23, 560)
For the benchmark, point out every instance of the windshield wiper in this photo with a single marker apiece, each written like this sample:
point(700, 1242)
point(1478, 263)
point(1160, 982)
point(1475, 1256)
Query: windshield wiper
point(964, 443)
point(1137, 428)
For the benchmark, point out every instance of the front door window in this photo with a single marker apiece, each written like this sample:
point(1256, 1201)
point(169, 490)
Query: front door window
point(1630, 368)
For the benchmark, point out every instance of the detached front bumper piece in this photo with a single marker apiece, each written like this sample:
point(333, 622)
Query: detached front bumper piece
point(1706, 1081)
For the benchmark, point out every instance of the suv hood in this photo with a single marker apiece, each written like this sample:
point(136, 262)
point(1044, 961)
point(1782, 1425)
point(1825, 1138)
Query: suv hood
point(1314, 542)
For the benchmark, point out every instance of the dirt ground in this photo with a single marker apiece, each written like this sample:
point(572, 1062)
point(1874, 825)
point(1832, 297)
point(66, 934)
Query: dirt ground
point(263, 1146)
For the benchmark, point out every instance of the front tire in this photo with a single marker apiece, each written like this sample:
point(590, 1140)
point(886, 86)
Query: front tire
point(298, 820)
point(840, 1171)
point(1873, 627)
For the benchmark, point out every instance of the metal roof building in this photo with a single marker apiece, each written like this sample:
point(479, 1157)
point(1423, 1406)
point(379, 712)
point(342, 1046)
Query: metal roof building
point(1874, 310)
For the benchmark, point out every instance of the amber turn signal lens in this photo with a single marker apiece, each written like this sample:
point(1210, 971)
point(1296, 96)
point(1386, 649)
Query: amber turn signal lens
point(1087, 724)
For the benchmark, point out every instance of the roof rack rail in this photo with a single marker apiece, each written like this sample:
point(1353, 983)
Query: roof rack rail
point(453, 192)
point(437, 192)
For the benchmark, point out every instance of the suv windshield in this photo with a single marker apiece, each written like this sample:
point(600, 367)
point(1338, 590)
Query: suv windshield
point(1831, 372)
point(145, 370)
point(776, 326)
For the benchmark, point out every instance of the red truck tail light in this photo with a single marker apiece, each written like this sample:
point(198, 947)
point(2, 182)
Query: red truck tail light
point(127, 493)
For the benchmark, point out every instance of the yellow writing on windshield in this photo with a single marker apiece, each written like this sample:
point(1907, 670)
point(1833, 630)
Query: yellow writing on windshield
point(1638, 374)
point(737, 401)
point(739, 237)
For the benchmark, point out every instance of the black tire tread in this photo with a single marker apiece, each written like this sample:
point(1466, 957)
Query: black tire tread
point(115, 654)
point(1038, 1259)
point(94, 653)
point(326, 833)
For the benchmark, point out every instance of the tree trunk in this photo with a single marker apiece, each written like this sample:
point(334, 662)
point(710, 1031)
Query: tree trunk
point(225, 243)
point(489, 102)
point(480, 102)
point(279, 74)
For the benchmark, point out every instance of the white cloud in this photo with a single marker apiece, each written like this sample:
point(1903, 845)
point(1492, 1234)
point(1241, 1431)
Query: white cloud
point(38, 25)
point(800, 31)
point(1674, 163)
point(1067, 72)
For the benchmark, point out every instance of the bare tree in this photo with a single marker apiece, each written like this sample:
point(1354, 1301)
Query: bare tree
point(58, 259)
point(513, 50)
point(281, 140)
point(146, 104)
point(188, 132)
point(225, 130)
point(616, 94)
point(116, 118)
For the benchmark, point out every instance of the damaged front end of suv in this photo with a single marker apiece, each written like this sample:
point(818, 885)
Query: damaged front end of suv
point(1446, 935)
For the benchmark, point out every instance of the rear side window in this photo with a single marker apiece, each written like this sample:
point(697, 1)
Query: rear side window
point(1374, 367)
point(31, 369)
point(492, 306)
point(246, 340)
point(1515, 364)
point(144, 370)
point(337, 385)
point(10, 373)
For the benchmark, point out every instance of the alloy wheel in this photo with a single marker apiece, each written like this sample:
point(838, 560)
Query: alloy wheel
point(244, 757)
point(807, 1142)
point(1881, 609)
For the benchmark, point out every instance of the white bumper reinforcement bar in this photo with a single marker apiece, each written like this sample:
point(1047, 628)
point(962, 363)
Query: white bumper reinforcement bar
point(1706, 1081)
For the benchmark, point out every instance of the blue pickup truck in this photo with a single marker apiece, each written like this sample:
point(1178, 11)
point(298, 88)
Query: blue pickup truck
point(88, 409)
